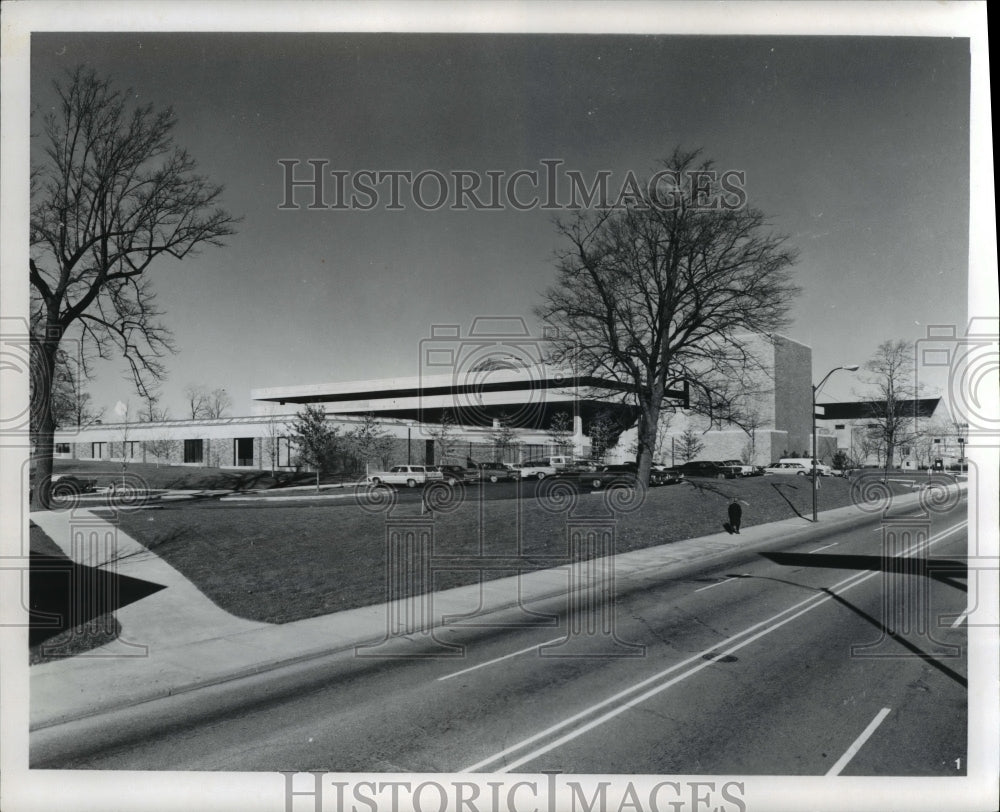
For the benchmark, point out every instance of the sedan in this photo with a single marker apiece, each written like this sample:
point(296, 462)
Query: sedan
point(744, 468)
point(706, 468)
point(491, 472)
point(453, 474)
point(789, 468)
point(627, 473)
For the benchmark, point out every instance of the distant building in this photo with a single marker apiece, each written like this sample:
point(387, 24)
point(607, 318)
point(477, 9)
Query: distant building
point(932, 435)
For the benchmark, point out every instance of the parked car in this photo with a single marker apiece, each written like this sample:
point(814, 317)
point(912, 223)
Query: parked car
point(606, 475)
point(745, 469)
point(662, 474)
point(452, 474)
point(559, 461)
point(491, 471)
point(627, 472)
point(706, 468)
point(409, 475)
point(823, 468)
point(795, 468)
point(64, 486)
point(537, 468)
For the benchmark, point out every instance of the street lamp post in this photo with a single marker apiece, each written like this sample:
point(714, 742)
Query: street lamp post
point(815, 444)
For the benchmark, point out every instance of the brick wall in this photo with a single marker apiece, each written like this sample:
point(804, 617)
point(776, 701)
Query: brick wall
point(793, 393)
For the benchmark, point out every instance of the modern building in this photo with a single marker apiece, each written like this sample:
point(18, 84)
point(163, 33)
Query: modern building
point(478, 393)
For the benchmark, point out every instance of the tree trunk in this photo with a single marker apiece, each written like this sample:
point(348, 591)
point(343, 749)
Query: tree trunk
point(41, 400)
point(649, 419)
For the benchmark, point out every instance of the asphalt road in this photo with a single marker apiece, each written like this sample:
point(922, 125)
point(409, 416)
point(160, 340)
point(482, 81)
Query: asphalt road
point(777, 664)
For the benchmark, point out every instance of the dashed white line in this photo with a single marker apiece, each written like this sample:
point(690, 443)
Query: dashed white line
point(959, 620)
point(498, 659)
point(824, 547)
point(858, 742)
point(717, 583)
point(618, 703)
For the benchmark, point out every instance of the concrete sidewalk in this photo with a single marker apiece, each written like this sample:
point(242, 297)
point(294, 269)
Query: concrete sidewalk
point(176, 640)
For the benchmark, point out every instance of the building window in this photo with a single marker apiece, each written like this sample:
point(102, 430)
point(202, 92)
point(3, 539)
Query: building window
point(840, 426)
point(243, 451)
point(131, 450)
point(193, 451)
point(285, 449)
point(97, 450)
point(62, 448)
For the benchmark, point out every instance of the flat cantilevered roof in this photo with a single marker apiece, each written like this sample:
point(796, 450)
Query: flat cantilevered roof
point(482, 392)
point(492, 380)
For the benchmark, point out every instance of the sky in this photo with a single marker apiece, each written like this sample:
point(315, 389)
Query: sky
point(855, 147)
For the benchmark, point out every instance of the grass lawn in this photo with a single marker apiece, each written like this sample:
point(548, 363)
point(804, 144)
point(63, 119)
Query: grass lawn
point(282, 562)
point(186, 477)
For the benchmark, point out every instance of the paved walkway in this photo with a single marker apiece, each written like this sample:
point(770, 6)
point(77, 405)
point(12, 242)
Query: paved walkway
point(177, 640)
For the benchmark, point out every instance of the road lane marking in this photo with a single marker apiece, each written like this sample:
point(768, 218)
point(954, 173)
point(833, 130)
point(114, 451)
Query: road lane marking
point(717, 583)
point(825, 547)
point(959, 619)
point(799, 609)
point(505, 657)
point(858, 743)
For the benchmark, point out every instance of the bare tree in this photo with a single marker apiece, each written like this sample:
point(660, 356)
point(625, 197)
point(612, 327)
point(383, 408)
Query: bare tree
point(122, 410)
point(931, 440)
point(71, 404)
point(653, 292)
point(205, 405)
point(219, 403)
point(271, 443)
point(891, 401)
point(196, 398)
point(751, 419)
point(113, 197)
point(862, 446)
point(161, 448)
point(151, 412)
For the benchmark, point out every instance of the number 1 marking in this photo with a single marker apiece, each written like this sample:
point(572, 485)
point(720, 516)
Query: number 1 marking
point(958, 763)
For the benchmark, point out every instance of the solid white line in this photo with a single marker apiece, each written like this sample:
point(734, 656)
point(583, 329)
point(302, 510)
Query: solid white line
point(825, 547)
point(959, 619)
point(815, 600)
point(858, 742)
point(498, 659)
point(717, 583)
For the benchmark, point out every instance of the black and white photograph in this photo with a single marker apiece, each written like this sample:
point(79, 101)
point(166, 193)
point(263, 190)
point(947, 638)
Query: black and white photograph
point(559, 406)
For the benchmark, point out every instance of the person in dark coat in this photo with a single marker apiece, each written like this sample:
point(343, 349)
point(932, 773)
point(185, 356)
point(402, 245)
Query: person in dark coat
point(735, 515)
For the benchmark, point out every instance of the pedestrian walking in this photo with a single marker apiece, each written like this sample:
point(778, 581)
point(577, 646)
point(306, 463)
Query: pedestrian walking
point(735, 515)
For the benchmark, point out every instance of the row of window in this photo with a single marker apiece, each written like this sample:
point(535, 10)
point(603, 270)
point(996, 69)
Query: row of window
point(194, 451)
point(100, 451)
